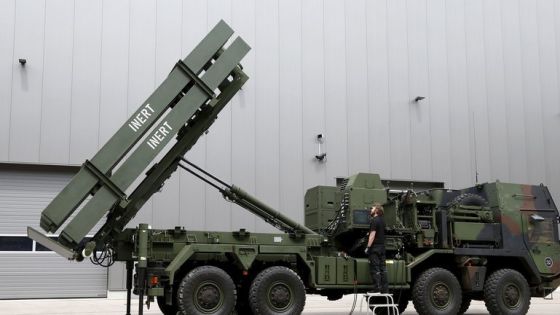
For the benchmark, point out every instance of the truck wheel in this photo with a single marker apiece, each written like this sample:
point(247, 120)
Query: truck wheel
point(465, 304)
point(166, 309)
point(206, 290)
point(277, 290)
point(506, 292)
point(437, 292)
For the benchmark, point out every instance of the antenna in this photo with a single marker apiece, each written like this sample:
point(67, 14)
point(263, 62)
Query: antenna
point(475, 153)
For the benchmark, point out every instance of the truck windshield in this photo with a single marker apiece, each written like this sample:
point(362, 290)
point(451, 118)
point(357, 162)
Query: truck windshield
point(542, 229)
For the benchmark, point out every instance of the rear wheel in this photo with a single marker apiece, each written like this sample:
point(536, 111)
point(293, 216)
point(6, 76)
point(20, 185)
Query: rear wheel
point(437, 292)
point(277, 290)
point(506, 292)
point(206, 290)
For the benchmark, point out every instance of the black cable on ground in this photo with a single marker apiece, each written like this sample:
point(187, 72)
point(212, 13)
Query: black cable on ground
point(355, 297)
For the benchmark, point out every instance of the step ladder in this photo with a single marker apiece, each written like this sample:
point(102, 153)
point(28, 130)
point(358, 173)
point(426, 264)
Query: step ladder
point(388, 303)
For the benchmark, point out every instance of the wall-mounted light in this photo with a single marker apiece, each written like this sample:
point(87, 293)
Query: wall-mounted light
point(322, 155)
point(418, 99)
point(22, 62)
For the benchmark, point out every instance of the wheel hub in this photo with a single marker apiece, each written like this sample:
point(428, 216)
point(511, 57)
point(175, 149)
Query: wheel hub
point(208, 297)
point(280, 296)
point(511, 296)
point(440, 295)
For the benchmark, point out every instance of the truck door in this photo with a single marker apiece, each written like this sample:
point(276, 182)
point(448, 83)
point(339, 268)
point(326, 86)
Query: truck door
point(540, 232)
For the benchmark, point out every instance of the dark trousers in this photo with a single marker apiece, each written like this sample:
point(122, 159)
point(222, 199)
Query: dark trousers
point(378, 269)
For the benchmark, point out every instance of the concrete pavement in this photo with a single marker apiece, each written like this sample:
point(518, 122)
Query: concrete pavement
point(315, 305)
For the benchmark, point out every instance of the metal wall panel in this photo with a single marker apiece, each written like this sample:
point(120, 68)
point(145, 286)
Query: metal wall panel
point(193, 192)
point(476, 89)
point(113, 99)
point(25, 111)
point(378, 88)
point(290, 119)
point(57, 82)
point(7, 65)
point(438, 96)
point(168, 52)
point(357, 107)
point(86, 80)
point(460, 147)
point(267, 132)
point(418, 81)
point(335, 100)
point(218, 141)
point(399, 102)
point(347, 69)
point(243, 144)
point(313, 87)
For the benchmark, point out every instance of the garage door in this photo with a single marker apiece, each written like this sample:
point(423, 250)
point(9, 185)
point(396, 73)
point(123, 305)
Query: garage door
point(27, 269)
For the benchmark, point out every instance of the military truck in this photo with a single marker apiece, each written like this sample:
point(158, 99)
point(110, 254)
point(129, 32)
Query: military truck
point(496, 242)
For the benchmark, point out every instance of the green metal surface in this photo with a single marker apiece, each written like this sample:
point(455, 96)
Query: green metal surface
point(102, 201)
point(64, 204)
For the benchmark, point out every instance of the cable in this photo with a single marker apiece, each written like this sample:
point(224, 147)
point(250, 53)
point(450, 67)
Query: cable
point(355, 297)
point(355, 287)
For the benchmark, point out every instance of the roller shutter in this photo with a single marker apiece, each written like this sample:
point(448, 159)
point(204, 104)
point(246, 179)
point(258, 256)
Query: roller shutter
point(27, 270)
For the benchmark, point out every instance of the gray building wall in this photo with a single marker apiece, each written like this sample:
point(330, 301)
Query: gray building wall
point(348, 69)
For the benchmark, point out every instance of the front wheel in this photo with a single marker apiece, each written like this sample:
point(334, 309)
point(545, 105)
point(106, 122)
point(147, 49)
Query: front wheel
point(275, 291)
point(506, 292)
point(437, 292)
point(206, 290)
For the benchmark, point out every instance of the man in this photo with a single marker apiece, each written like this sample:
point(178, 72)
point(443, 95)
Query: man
point(376, 250)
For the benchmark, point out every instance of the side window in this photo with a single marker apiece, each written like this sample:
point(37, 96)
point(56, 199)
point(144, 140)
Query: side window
point(542, 228)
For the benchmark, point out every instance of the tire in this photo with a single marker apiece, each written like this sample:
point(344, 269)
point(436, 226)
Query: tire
point(437, 292)
point(206, 290)
point(166, 309)
point(277, 290)
point(506, 292)
point(469, 200)
point(465, 304)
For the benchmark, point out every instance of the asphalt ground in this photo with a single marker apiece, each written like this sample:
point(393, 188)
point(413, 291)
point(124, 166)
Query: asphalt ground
point(315, 305)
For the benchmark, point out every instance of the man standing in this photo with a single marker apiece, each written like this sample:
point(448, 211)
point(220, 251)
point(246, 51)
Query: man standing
point(376, 250)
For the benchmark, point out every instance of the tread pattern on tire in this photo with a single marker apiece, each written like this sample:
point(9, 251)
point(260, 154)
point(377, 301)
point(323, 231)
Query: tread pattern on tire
point(420, 287)
point(491, 286)
point(192, 274)
point(262, 276)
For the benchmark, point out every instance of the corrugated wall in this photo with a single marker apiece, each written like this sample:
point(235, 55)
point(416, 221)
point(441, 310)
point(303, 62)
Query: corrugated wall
point(348, 69)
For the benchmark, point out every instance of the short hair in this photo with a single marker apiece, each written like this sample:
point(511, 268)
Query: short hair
point(379, 208)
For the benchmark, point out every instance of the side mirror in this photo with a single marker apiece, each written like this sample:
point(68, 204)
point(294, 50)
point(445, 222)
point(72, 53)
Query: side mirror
point(536, 218)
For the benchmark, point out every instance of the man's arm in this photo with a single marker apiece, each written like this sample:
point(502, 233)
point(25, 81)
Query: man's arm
point(371, 238)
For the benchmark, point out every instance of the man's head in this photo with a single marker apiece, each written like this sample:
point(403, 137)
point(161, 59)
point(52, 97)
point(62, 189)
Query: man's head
point(376, 210)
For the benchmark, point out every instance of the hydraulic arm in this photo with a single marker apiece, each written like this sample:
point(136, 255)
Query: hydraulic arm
point(239, 196)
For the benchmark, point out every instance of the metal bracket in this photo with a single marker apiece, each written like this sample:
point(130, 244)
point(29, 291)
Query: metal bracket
point(107, 182)
point(197, 81)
